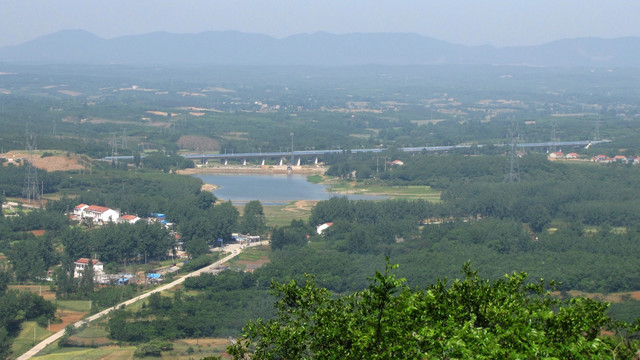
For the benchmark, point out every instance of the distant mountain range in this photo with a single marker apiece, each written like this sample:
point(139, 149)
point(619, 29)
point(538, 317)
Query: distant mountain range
point(322, 49)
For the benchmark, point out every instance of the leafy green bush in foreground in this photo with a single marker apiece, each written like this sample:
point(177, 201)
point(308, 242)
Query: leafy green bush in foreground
point(469, 318)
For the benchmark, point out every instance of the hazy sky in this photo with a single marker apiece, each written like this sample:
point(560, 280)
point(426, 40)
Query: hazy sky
point(469, 22)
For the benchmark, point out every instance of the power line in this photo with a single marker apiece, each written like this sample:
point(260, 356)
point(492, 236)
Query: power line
point(512, 173)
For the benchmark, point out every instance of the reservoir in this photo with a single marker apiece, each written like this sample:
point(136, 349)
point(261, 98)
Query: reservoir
point(271, 189)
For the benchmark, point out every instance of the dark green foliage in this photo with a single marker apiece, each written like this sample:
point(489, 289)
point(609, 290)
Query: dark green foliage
point(31, 258)
point(12, 180)
point(205, 200)
point(205, 227)
point(38, 220)
point(227, 281)
point(469, 318)
point(17, 307)
point(120, 243)
point(197, 263)
point(165, 162)
point(281, 237)
point(253, 220)
point(153, 348)
point(195, 316)
point(105, 297)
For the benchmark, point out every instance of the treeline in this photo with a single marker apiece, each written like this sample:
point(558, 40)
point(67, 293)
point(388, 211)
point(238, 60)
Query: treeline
point(473, 185)
point(220, 308)
point(494, 245)
point(193, 213)
point(17, 307)
point(119, 243)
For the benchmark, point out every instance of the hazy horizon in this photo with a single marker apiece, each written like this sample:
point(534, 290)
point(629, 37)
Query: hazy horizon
point(499, 23)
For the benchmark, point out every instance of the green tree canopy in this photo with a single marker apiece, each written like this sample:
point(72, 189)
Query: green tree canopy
point(468, 318)
point(253, 220)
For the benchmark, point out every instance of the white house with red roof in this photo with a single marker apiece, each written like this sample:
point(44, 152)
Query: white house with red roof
point(556, 155)
point(96, 213)
point(82, 263)
point(321, 228)
point(571, 155)
point(131, 219)
point(79, 209)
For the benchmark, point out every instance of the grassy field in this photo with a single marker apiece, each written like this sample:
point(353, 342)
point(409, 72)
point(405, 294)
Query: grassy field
point(253, 254)
point(394, 192)
point(281, 215)
point(183, 349)
point(112, 352)
point(315, 179)
point(256, 256)
point(74, 305)
point(24, 341)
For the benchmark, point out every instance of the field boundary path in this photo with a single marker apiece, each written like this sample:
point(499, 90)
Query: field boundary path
point(233, 249)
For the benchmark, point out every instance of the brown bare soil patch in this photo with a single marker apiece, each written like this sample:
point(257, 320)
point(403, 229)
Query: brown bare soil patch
point(236, 136)
point(117, 354)
point(159, 113)
point(301, 205)
point(70, 92)
point(205, 342)
point(109, 121)
point(252, 265)
point(99, 341)
point(49, 163)
point(219, 89)
point(612, 297)
point(58, 163)
point(208, 187)
point(68, 318)
point(198, 143)
point(42, 290)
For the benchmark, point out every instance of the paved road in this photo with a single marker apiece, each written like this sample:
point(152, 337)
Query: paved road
point(233, 249)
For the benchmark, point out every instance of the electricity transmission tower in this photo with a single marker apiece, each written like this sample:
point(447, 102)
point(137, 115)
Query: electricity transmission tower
point(114, 151)
point(512, 169)
point(30, 190)
point(554, 135)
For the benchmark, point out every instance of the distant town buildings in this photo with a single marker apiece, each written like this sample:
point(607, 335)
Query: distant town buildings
point(603, 159)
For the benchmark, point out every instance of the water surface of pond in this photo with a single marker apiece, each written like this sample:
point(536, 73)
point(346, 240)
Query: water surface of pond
point(271, 189)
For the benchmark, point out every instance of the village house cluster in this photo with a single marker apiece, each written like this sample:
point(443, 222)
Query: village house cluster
point(559, 155)
point(100, 215)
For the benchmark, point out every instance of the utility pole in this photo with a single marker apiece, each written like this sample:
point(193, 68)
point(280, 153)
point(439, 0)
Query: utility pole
point(292, 148)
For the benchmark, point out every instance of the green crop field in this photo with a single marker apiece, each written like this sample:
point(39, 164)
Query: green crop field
point(281, 215)
point(74, 305)
point(24, 341)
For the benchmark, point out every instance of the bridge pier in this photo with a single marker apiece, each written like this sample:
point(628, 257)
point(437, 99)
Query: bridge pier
point(280, 161)
point(299, 161)
point(244, 162)
point(315, 162)
point(224, 161)
point(262, 163)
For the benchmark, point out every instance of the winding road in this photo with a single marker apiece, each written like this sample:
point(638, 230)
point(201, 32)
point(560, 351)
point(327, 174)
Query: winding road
point(233, 249)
